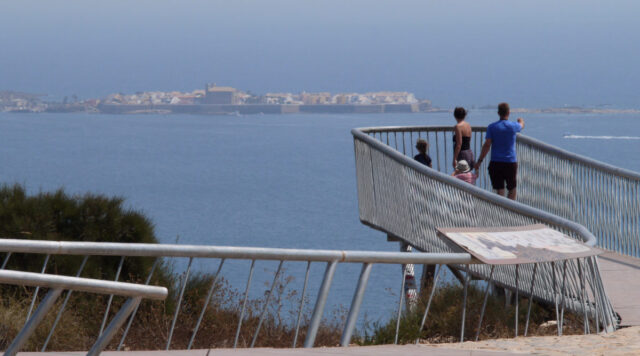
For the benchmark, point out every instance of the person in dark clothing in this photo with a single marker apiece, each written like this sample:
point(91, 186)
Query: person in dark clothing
point(462, 139)
point(423, 157)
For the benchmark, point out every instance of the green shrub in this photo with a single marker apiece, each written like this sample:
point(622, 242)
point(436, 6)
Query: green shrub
point(58, 216)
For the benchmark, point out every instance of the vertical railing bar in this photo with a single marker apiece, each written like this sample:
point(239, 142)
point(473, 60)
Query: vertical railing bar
point(555, 295)
point(437, 151)
point(446, 158)
point(399, 314)
point(404, 151)
point(596, 295)
point(426, 310)
point(355, 305)
point(64, 304)
point(244, 304)
point(484, 302)
point(517, 301)
point(318, 310)
point(464, 301)
point(206, 303)
point(175, 314)
point(32, 323)
point(114, 325)
point(35, 294)
point(6, 260)
point(564, 278)
point(411, 141)
point(266, 304)
point(304, 290)
point(585, 320)
point(106, 313)
point(533, 281)
point(135, 311)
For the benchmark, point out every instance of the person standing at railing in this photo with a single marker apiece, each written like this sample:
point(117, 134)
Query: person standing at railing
point(422, 157)
point(501, 140)
point(462, 139)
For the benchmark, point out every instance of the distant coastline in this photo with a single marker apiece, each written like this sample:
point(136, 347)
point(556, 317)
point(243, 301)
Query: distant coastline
point(214, 100)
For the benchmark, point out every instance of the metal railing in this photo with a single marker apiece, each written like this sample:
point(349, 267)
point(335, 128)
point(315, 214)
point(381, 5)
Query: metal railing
point(131, 250)
point(601, 197)
point(57, 284)
point(408, 200)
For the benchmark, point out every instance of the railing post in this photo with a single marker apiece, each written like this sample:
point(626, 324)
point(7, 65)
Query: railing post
point(355, 305)
point(175, 314)
point(114, 326)
point(106, 313)
point(33, 322)
point(35, 294)
point(319, 308)
point(64, 304)
point(304, 290)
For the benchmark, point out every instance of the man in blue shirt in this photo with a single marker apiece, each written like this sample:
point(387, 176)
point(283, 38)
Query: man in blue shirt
point(501, 139)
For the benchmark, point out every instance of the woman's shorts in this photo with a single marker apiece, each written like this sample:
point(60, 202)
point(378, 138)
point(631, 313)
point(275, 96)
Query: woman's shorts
point(467, 155)
point(501, 172)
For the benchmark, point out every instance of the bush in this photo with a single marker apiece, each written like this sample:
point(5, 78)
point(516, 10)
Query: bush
point(59, 217)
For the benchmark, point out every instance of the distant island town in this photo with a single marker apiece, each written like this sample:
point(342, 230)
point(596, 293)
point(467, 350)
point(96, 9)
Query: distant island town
point(224, 100)
point(220, 100)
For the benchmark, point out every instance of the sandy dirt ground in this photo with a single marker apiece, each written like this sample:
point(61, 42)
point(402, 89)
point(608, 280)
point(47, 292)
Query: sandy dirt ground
point(625, 341)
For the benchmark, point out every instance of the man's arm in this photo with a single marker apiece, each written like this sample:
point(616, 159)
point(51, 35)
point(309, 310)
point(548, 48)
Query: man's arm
point(485, 150)
point(521, 122)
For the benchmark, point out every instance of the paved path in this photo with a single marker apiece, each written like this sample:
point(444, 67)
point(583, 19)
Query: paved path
point(387, 350)
point(623, 342)
point(621, 278)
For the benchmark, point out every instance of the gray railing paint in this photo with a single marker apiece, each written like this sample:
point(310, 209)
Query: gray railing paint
point(404, 198)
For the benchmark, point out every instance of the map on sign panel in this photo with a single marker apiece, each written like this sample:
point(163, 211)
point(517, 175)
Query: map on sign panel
point(515, 245)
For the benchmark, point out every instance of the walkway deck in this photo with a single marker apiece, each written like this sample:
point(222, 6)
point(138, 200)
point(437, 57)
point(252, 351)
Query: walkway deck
point(620, 275)
point(386, 350)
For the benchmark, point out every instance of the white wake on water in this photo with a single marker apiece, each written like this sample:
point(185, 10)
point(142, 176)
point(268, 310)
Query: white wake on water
point(602, 137)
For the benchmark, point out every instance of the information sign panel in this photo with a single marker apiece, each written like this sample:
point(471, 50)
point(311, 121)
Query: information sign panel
point(516, 245)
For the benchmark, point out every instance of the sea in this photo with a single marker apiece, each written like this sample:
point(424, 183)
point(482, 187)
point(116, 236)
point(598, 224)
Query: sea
point(261, 180)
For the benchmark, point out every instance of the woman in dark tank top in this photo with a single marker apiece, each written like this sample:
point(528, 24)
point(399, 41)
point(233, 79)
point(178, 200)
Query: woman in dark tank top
point(462, 138)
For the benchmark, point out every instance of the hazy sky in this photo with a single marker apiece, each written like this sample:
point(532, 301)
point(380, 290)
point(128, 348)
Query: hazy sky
point(531, 53)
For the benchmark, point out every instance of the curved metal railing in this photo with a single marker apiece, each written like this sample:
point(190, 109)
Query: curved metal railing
point(601, 197)
point(406, 199)
point(133, 250)
point(57, 284)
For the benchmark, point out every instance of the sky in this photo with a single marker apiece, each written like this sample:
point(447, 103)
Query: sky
point(530, 53)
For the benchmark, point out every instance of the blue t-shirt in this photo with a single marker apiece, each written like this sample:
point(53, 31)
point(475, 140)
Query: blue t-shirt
point(503, 140)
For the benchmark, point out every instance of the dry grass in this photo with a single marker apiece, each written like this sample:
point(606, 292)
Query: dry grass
point(444, 321)
point(81, 321)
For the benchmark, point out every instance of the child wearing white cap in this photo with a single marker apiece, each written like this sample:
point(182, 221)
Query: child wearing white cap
point(463, 172)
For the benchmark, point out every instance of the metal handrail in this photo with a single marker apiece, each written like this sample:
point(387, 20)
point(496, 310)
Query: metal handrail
point(586, 236)
point(331, 257)
point(541, 145)
point(82, 284)
point(408, 200)
point(58, 284)
point(227, 252)
point(597, 195)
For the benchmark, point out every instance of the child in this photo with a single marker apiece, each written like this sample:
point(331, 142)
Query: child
point(422, 157)
point(463, 172)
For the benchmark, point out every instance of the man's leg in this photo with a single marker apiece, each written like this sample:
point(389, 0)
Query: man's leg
point(511, 177)
point(500, 192)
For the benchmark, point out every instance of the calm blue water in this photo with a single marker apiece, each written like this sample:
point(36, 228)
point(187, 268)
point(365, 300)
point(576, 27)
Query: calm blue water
point(277, 181)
